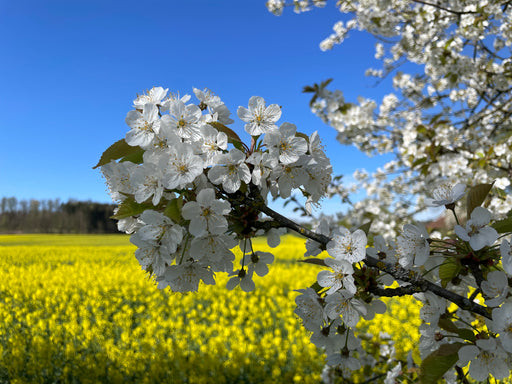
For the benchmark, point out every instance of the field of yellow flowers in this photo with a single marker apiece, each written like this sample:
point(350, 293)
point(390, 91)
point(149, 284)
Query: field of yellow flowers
point(78, 309)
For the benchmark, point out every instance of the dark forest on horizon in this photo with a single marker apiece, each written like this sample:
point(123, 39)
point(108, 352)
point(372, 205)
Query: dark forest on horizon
point(54, 216)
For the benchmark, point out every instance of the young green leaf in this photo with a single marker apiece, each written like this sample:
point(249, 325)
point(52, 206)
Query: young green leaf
point(503, 226)
point(435, 365)
point(366, 227)
point(476, 196)
point(447, 324)
point(467, 334)
point(116, 151)
point(134, 157)
point(173, 209)
point(129, 207)
point(448, 270)
point(314, 261)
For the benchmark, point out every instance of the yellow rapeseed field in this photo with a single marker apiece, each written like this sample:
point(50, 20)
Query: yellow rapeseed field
point(78, 309)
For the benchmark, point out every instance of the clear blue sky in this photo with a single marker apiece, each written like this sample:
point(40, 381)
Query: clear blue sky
point(70, 70)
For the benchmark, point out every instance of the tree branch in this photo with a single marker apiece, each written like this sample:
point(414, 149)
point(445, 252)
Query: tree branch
point(399, 273)
point(444, 8)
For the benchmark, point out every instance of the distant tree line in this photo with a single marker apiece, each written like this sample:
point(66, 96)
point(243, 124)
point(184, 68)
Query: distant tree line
point(54, 216)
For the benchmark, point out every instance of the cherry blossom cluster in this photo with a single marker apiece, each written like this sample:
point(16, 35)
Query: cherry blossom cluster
point(188, 187)
point(449, 116)
point(188, 199)
point(471, 325)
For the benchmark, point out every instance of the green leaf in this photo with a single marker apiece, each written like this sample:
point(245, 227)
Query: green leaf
point(173, 209)
point(448, 270)
point(135, 157)
point(419, 161)
point(325, 83)
point(129, 207)
point(476, 196)
point(467, 334)
point(345, 107)
point(366, 227)
point(435, 365)
point(317, 287)
point(447, 324)
point(233, 138)
point(314, 261)
point(503, 226)
point(303, 135)
point(116, 151)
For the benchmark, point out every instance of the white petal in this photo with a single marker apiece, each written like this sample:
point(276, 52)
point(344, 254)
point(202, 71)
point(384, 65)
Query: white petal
point(191, 210)
point(325, 278)
point(467, 353)
point(461, 233)
point(205, 197)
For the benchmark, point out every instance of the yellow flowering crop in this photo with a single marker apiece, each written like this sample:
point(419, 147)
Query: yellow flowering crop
point(80, 309)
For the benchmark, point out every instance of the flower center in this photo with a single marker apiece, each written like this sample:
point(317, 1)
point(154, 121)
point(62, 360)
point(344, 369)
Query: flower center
point(206, 212)
point(232, 169)
point(182, 168)
point(147, 127)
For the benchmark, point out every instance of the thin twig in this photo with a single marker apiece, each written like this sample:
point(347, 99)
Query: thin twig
point(444, 8)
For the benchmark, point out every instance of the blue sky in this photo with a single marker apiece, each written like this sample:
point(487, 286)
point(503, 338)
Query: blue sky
point(71, 69)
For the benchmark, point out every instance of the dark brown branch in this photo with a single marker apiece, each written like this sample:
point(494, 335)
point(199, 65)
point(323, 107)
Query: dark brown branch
point(285, 222)
point(444, 8)
point(392, 292)
point(399, 273)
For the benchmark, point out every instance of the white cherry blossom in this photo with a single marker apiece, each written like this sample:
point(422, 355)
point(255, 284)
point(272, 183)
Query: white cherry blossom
point(144, 126)
point(343, 303)
point(185, 120)
point(242, 277)
point(477, 231)
point(413, 246)
point(258, 262)
point(218, 110)
point(283, 144)
point(180, 166)
point(212, 144)
point(309, 309)
point(152, 254)
point(506, 256)
point(147, 181)
point(230, 170)
point(154, 96)
point(214, 250)
point(206, 214)
point(186, 277)
point(433, 307)
point(502, 324)
point(495, 287)
point(259, 118)
point(486, 358)
point(446, 194)
point(157, 227)
point(117, 176)
point(341, 277)
point(263, 165)
point(328, 339)
point(347, 246)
